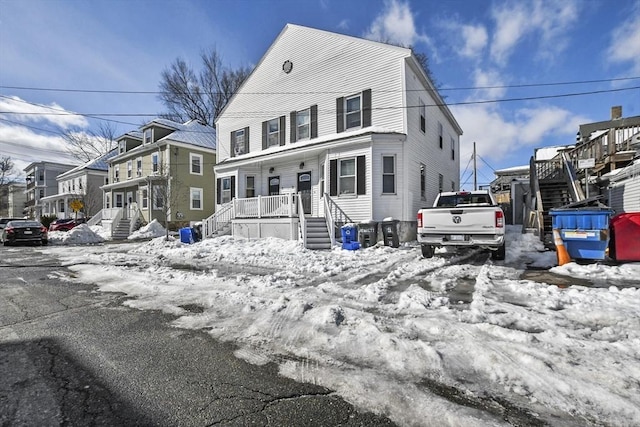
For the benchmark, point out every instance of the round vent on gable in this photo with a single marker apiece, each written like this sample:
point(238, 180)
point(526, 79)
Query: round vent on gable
point(287, 66)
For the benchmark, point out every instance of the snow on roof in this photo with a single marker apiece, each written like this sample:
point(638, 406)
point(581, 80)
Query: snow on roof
point(99, 163)
point(193, 133)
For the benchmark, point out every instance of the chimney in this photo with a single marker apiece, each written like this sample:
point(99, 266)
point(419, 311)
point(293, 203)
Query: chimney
point(616, 112)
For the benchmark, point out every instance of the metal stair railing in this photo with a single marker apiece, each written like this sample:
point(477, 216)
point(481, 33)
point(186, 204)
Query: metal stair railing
point(334, 215)
point(303, 221)
point(572, 179)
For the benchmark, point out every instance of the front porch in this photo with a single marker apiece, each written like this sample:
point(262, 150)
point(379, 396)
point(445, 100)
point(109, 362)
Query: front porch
point(279, 216)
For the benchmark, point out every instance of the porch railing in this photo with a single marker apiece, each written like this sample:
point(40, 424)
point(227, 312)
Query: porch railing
point(334, 216)
point(282, 205)
point(303, 221)
point(95, 219)
point(219, 220)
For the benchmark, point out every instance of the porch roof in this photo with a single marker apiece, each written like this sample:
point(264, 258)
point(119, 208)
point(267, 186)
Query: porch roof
point(304, 147)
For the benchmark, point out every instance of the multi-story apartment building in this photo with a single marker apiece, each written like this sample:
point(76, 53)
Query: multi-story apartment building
point(42, 182)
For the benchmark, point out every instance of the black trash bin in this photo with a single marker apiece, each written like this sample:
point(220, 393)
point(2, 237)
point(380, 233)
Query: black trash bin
point(390, 233)
point(368, 233)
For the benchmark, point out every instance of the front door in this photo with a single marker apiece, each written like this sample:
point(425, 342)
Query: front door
point(274, 185)
point(304, 189)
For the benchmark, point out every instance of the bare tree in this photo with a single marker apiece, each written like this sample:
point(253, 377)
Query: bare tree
point(86, 146)
point(6, 179)
point(188, 95)
point(166, 193)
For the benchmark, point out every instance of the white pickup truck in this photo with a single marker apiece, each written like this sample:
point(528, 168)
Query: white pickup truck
point(465, 218)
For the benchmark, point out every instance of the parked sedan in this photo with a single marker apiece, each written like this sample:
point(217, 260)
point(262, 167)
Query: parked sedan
point(4, 221)
point(24, 231)
point(64, 224)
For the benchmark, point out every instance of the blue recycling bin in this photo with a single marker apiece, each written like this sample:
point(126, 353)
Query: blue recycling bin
point(350, 237)
point(584, 231)
point(185, 235)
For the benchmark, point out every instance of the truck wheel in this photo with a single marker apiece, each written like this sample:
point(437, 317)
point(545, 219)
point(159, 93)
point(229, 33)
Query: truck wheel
point(499, 254)
point(427, 251)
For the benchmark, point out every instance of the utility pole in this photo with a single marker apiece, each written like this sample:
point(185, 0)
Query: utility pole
point(475, 168)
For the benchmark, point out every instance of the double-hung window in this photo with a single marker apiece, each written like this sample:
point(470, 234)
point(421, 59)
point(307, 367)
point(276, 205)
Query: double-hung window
point(148, 136)
point(440, 183)
point(122, 147)
point(196, 198)
point(423, 183)
point(453, 148)
point(196, 163)
point(423, 116)
point(158, 196)
point(347, 179)
point(144, 197)
point(129, 169)
point(226, 190)
point(440, 136)
point(388, 174)
point(250, 189)
point(303, 124)
point(239, 140)
point(353, 111)
point(154, 163)
point(116, 173)
point(273, 133)
point(139, 167)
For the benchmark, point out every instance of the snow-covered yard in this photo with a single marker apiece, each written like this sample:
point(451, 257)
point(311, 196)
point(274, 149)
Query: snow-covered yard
point(453, 340)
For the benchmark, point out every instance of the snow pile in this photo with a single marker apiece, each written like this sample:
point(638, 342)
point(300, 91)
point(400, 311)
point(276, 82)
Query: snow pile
point(151, 230)
point(458, 337)
point(78, 235)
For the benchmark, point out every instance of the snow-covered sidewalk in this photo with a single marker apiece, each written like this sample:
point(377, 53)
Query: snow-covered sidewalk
point(452, 340)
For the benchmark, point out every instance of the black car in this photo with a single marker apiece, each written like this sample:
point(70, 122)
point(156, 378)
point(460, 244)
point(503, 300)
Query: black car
point(4, 221)
point(24, 231)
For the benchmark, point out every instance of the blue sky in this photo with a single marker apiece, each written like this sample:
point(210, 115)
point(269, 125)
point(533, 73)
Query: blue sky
point(479, 51)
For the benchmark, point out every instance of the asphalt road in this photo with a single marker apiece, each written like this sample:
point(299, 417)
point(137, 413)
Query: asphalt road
point(72, 356)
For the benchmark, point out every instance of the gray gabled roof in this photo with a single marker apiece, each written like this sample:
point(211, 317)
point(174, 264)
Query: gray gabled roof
point(192, 132)
point(99, 164)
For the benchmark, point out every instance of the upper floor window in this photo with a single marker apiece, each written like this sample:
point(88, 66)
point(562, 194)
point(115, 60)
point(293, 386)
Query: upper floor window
point(129, 169)
point(122, 147)
point(41, 176)
point(453, 148)
point(440, 183)
point(154, 163)
point(303, 124)
point(240, 142)
point(353, 111)
point(148, 136)
point(388, 174)
point(423, 116)
point(139, 167)
point(41, 193)
point(453, 186)
point(196, 163)
point(116, 173)
point(440, 137)
point(196, 198)
point(273, 132)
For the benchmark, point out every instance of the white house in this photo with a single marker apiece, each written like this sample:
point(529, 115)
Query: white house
point(333, 127)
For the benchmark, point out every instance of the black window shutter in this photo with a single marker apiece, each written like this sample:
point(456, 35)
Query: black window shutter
point(340, 114)
point(219, 190)
point(314, 121)
point(293, 137)
point(233, 187)
point(360, 177)
point(333, 177)
point(233, 144)
point(366, 108)
point(264, 135)
point(246, 140)
point(283, 125)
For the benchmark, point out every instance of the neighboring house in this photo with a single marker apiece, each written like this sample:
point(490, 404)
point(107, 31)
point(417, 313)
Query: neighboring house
point(623, 188)
point(162, 171)
point(16, 200)
point(510, 188)
point(81, 183)
point(42, 182)
point(343, 128)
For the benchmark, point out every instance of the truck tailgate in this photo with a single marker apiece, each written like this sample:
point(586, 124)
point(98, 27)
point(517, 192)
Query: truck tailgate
point(472, 220)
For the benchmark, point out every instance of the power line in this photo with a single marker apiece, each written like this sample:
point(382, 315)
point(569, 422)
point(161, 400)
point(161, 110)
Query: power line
point(149, 92)
point(259, 114)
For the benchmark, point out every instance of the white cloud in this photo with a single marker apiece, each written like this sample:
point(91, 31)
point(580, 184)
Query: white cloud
point(53, 113)
point(549, 20)
point(396, 25)
point(490, 80)
point(475, 40)
point(344, 24)
point(499, 137)
point(625, 41)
